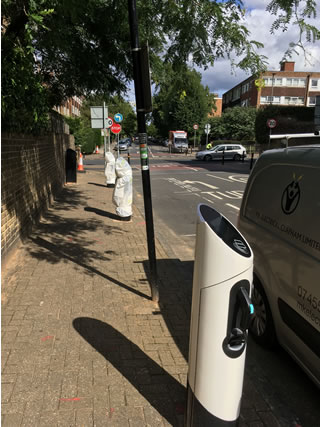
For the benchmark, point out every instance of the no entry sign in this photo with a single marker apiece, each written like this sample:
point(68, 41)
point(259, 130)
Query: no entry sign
point(115, 128)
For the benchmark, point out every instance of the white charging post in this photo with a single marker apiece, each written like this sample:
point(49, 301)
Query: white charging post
point(221, 311)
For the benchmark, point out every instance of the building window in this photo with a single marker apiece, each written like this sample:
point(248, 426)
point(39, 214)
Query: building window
point(296, 82)
point(270, 100)
point(278, 82)
point(314, 83)
point(294, 100)
point(269, 81)
point(312, 100)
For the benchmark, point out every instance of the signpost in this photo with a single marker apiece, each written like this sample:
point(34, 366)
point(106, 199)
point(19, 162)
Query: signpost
point(116, 129)
point(207, 131)
point(271, 123)
point(141, 76)
point(195, 127)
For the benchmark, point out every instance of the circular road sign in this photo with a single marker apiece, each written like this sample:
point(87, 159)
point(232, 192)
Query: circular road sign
point(118, 118)
point(271, 123)
point(116, 128)
point(109, 122)
point(195, 127)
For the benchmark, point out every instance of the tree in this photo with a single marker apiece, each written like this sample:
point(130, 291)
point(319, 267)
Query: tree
point(236, 123)
point(55, 49)
point(181, 101)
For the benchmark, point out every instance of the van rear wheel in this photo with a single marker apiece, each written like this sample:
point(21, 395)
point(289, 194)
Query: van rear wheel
point(236, 157)
point(262, 326)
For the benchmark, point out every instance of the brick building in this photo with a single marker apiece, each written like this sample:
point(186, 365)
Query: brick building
point(284, 87)
point(218, 104)
point(71, 107)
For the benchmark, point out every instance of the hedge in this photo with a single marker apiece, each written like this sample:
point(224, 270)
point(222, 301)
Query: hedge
point(290, 119)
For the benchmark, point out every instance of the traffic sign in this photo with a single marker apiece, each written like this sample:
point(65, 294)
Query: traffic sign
point(116, 128)
point(118, 118)
point(271, 123)
point(207, 128)
point(195, 127)
point(109, 122)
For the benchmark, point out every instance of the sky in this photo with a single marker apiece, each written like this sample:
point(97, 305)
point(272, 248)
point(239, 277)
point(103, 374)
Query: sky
point(220, 79)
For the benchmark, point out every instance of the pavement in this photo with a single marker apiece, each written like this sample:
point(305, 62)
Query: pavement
point(83, 344)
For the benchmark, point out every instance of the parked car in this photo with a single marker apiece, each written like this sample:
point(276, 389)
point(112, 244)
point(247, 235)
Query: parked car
point(279, 217)
point(124, 144)
point(229, 151)
point(165, 142)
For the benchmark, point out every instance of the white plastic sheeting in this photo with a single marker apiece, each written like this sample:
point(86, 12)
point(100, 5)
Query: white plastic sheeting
point(122, 195)
point(109, 171)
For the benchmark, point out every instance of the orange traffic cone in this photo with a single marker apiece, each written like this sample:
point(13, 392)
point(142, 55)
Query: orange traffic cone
point(80, 165)
point(97, 149)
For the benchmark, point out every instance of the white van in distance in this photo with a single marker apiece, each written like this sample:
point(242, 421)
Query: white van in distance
point(280, 218)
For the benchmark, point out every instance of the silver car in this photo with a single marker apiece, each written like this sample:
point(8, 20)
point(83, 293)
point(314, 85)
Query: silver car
point(228, 151)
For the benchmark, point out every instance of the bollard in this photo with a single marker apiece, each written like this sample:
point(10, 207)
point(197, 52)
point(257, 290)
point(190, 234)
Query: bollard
point(186, 152)
point(220, 316)
point(242, 157)
point(223, 157)
point(128, 157)
point(251, 162)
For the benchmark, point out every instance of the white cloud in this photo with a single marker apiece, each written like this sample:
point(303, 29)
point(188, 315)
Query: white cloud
point(220, 78)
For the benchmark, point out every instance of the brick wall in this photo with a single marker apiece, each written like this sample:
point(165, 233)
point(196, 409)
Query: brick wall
point(32, 174)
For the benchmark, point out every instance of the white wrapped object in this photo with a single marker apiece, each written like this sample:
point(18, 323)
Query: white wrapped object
point(109, 171)
point(122, 195)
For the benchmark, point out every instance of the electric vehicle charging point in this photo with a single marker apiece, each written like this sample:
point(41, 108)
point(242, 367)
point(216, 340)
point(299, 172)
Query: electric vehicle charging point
point(220, 316)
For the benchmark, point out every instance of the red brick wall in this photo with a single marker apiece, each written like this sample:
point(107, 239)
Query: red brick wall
point(32, 174)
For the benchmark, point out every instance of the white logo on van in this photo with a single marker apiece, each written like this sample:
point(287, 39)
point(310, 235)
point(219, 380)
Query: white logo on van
point(291, 196)
point(241, 246)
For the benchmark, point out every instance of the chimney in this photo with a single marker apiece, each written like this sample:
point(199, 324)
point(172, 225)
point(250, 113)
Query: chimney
point(287, 66)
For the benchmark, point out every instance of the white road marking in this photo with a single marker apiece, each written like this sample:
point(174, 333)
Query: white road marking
point(203, 183)
point(211, 194)
point(219, 177)
point(208, 200)
point(232, 206)
point(231, 178)
point(231, 194)
point(188, 235)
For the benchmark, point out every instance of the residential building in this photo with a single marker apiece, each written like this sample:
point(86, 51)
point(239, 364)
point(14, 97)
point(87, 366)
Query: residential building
point(283, 87)
point(218, 106)
point(71, 107)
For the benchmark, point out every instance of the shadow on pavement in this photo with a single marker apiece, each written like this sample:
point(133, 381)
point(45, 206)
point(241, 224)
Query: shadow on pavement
point(98, 185)
point(175, 295)
point(58, 253)
point(156, 385)
point(101, 212)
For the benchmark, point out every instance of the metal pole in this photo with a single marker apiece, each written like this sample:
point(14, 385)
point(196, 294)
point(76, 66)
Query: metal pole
point(194, 141)
point(136, 58)
point(105, 115)
point(269, 138)
point(251, 163)
point(118, 145)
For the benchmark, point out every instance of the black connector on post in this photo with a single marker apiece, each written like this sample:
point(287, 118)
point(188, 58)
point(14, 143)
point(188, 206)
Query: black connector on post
point(142, 88)
point(223, 157)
